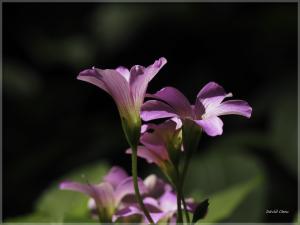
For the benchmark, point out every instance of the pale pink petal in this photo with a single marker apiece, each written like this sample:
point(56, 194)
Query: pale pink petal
point(91, 76)
point(168, 202)
point(79, 187)
point(237, 107)
point(154, 109)
point(115, 175)
point(140, 77)
point(124, 72)
point(212, 126)
point(175, 99)
point(115, 84)
point(212, 94)
point(102, 193)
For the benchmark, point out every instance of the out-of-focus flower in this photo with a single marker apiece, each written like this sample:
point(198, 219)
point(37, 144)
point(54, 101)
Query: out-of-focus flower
point(161, 144)
point(107, 195)
point(128, 89)
point(113, 199)
point(209, 105)
point(166, 197)
point(160, 200)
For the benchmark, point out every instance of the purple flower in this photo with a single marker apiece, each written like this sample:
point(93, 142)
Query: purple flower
point(106, 196)
point(160, 144)
point(166, 197)
point(160, 200)
point(127, 88)
point(209, 105)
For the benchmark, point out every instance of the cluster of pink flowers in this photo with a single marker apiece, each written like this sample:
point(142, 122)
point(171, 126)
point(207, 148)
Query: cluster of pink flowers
point(114, 201)
point(169, 144)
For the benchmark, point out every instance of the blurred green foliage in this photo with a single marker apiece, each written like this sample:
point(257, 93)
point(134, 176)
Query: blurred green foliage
point(53, 123)
point(57, 205)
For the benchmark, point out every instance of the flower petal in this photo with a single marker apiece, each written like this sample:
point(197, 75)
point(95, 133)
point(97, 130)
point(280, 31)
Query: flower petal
point(148, 155)
point(91, 76)
point(126, 188)
point(212, 126)
point(140, 77)
point(124, 72)
point(237, 107)
point(199, 109)
point(168, 202)
point(156, 186)
point(155, 144)
point(115, 84)
point(211, 95)
point(102, 193)
point(115, 175)
point(76, 186)
point(129, 214)
point(154, 109)
point(175, 99)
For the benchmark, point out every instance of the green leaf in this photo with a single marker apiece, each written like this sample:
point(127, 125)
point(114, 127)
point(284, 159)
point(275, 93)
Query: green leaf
point(57, 205)
point(222, 169)
point(30, 218)
point(222, 204)
point(200, 211)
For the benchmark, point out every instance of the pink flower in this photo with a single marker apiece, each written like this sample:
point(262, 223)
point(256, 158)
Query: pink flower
point(161, 144)
point(209, 105)
point(128, 89)
point(106, 196)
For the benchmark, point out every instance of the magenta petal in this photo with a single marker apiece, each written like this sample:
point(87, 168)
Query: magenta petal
point(155, 144)
point(175, 99)
point(140, 77)
point(154, 109)
point(212, 126)
point(212, 94)
point(126, 188)
point(237, 107)
point(115, 175)
point(199, 109)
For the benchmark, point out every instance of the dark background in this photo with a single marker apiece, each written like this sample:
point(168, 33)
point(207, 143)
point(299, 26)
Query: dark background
point(53, 123)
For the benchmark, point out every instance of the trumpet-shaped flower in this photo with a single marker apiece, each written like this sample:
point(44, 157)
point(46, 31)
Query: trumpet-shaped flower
point(106, 196)
point(127, 88)
point(161, 144)
point(209, 105)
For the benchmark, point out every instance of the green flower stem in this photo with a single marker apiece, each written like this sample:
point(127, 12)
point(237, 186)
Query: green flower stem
point(184, 172)
point(187, 216)
point(136, 186)
point(178, 190)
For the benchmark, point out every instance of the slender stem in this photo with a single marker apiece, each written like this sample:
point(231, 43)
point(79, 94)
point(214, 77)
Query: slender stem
point(178, 190)
point(179, 210)
point(187, 216)
point(136, 186)
point(184, 172)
